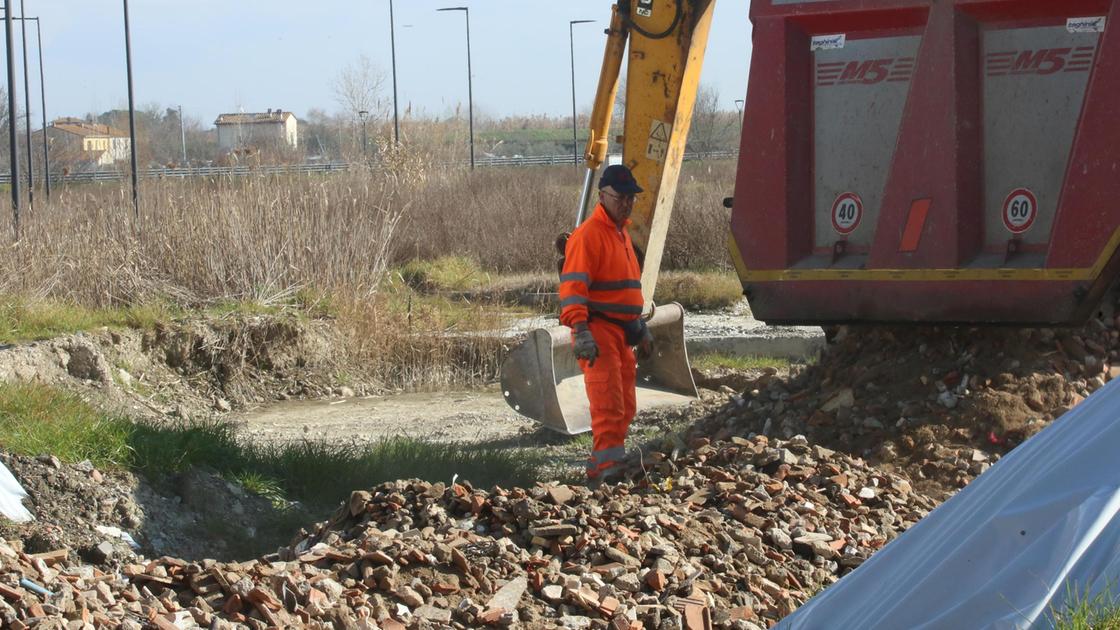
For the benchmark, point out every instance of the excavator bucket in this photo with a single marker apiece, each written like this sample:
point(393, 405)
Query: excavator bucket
point(542, 380)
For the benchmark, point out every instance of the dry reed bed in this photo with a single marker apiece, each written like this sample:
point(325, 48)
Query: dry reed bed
point(263, 239)
point(199, 240)
point(508, 218)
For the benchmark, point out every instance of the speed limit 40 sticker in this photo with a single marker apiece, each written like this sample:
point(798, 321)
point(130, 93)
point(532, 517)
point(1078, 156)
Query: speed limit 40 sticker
point(847, 212)
point(1019, 210)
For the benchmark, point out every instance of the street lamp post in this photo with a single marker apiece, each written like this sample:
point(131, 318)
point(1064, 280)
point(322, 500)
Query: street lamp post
point(27, 111)
point(739, 104)
point(131, 116)
point(393, 51)
point(363, 114)
point(43, 105)
point(13, 143)
point(183, 135)
point(42, 101)
point(572, 46)
point(470, 88)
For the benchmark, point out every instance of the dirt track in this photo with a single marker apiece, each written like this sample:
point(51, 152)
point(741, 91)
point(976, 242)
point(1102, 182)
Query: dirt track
point(482, 416)
point(475, 416)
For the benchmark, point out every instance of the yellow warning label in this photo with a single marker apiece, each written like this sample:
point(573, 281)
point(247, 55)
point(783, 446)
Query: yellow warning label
point(658, 146)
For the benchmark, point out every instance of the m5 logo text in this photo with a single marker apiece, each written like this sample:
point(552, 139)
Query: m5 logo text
point(1040, 62)
point(865, 71)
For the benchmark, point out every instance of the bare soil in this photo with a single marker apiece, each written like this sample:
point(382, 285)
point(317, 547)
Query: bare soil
point(464, 416)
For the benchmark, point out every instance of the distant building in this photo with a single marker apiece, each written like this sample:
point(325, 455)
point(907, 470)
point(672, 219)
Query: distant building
point(76, 140)
point(274, 127)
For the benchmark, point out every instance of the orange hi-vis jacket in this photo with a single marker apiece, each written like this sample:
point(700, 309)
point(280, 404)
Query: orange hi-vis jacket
point(601, 273)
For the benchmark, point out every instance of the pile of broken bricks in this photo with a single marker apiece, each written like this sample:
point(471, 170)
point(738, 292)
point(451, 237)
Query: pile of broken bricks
point(730, 534)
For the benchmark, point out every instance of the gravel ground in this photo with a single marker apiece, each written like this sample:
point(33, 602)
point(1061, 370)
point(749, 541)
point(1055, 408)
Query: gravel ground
point(483, 415)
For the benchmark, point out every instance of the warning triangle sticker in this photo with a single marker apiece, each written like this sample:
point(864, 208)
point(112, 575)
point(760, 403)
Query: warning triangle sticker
point(659, 133)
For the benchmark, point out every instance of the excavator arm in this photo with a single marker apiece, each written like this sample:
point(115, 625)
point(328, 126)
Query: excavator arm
point(662, 43)
point(667, 40)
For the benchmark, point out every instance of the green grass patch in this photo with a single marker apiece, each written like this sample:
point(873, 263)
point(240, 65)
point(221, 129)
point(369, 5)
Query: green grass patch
point(715, 361)
point(447, 273)
point(23, 320)
point(37, 420)
point(262, 486)
point(315, 303)
point(240, 308)
point(318, 473)
point(436, 313)
point(699, 290)
point(583, 441)
point(1088, 612)
point(28, 320)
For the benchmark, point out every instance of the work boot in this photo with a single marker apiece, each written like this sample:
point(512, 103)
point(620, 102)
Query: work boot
point(609, 476)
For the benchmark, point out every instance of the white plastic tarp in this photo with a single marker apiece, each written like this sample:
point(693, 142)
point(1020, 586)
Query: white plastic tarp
point(1006, 551)
point(11, 497)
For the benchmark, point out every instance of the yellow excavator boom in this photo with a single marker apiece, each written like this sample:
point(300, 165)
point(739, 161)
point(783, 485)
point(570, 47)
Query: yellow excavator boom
point(667, 39)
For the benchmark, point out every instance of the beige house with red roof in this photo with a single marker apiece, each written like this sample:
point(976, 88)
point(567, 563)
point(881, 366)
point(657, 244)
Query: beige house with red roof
point(74, 139)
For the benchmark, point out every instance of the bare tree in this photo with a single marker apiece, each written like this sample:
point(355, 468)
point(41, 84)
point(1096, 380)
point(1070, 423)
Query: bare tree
point(357, 86)
point(712, 126)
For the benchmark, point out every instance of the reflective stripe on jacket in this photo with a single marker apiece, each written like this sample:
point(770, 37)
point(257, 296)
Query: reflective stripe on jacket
point(601, 272)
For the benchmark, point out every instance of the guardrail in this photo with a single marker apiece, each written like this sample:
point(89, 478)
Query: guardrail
point(326, 167)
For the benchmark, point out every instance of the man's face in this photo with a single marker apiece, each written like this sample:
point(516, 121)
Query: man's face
point(618, 206)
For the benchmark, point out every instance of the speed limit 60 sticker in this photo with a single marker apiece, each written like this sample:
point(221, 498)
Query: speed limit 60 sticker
point(1019, 210)
point(847, 212)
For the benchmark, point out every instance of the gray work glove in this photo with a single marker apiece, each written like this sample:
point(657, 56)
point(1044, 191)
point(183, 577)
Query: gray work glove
point(645, 346)
point(585, 345)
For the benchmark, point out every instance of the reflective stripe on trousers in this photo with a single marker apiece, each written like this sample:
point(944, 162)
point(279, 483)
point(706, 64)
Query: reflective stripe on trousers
point(610, 387)
point(602, 460)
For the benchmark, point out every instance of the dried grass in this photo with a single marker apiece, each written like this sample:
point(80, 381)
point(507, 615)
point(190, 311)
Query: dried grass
point(326, 242)
point(197, 241)
point(507, 219)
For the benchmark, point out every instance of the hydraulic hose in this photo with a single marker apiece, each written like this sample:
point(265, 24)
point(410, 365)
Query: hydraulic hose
point(677, 17)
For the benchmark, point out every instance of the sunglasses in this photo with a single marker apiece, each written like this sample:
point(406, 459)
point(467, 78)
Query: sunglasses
point(619, 197)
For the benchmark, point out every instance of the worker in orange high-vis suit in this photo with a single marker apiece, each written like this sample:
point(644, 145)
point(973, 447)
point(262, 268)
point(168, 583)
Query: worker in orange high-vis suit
point(601, 301)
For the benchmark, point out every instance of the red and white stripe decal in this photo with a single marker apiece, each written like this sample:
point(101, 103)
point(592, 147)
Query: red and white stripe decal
point(1042, 62)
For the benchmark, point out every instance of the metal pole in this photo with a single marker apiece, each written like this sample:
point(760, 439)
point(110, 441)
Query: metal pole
point(183, 135)
point(27, 112)
point(393, 48)
point(739, 105)
point(575, 140)
point(572, 45)
point(13, 144)
point(43, 105)
point(365, 139)
point(131, 116)
point(470, 83)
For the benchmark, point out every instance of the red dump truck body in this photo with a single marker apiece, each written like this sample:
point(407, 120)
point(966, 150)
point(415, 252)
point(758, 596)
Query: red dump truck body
point(930, 161)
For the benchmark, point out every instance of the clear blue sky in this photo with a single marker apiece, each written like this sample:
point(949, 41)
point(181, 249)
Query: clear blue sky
point(213, 56)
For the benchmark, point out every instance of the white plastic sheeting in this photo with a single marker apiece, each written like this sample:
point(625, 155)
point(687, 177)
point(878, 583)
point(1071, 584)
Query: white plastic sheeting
point(11, 495)
point(1005, 551)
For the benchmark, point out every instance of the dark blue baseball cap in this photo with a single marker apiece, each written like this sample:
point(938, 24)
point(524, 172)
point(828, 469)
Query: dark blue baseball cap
point(620, 179)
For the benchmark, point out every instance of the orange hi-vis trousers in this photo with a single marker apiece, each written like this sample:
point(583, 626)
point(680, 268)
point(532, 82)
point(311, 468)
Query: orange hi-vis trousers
point(610, 387)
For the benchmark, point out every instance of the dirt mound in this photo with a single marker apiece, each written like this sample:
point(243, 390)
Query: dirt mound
point(247, 359)
point(738, 533)
point(107, 517)
point(940, 403)
point(191, 369)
